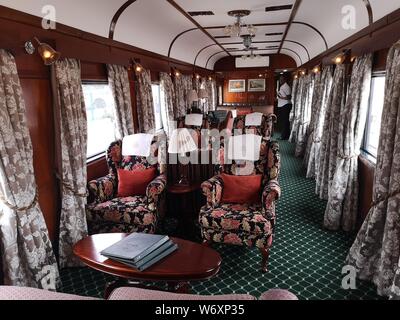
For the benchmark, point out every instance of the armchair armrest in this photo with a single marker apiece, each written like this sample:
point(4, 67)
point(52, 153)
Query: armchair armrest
point(103, 189)
point(212, 189)
point(156, 188)
point(271, 193)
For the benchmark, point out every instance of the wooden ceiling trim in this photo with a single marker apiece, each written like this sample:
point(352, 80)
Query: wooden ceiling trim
point(370, 11)
point(213, 55)
point(289, 24)
point(256, 25)
point(116, 17)
point(198, 25)
point(298, 56)
point(273, 41)
point(177, 37)
point(315, 29)
point(387, 22)
point(201, 50)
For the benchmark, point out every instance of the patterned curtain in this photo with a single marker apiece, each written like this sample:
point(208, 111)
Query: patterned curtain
point(209, 102)
point(321, 93)
point(342, 205)
point(183, 86)
point(304, 115)
point(214, 91)
point(71, 114)
point(329, 145)
point(145, 106)
point(196, 84)
point(27, 254)
point(376, 251)
point(294, 99)
point(168, 96)
point(296, 113)
point(118, 79)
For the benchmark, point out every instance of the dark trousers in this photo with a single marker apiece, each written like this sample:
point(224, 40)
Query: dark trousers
point(284, 120)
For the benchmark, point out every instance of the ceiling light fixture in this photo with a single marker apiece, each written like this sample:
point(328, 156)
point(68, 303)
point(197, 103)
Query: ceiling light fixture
point(48, 54)
point(247, 41)
point(236, 28)
point(251, 55)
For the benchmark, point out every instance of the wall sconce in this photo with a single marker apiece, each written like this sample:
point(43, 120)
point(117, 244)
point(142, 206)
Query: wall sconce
point(48, 54)
point(197, 76)
point(340, 58)
point(317, 69)
point(210, 78)
point(177, 73)
point(136, 66)
point(303, 72)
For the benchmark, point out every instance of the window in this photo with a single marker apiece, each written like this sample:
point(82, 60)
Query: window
point(373, 127)
point(102, 131)
point(157, 106)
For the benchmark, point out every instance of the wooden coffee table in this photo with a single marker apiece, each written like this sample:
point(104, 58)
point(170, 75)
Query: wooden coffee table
point(191, 262)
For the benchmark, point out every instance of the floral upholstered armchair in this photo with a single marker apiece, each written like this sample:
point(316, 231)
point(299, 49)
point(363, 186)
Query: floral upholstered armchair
point(108, 213)
point(265, 129)
point(243, 224)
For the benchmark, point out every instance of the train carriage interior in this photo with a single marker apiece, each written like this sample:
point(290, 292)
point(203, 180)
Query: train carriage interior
point(200, 150)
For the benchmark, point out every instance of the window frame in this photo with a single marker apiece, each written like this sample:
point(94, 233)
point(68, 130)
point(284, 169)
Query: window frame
point(158, 83)
point(364, 151)
point(102, 154)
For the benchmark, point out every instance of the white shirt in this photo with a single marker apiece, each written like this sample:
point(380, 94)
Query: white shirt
point(284, 91)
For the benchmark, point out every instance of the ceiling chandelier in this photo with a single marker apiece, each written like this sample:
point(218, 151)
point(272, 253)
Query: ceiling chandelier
point(247, 41)
point(236, 28)
point(251, 55)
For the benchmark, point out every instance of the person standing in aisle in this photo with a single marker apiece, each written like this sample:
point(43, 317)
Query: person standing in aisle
point(284, 106)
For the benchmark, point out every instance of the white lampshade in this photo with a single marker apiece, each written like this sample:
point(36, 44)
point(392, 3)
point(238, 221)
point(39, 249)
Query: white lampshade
point(193, 96)
point(181, 142)
point(203, 94)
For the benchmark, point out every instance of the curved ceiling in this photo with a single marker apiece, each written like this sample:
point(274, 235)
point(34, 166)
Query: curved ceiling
point(303, 30)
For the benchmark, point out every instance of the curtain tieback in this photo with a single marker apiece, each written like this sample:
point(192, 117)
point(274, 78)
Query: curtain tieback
point(341, 156)
point(68, 187)
point(385, 198)
point(16, 208)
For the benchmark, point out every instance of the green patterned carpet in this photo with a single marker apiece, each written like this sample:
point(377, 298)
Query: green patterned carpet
point(305, 259)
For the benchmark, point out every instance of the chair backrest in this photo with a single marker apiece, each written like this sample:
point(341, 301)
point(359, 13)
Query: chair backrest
point(265, 129)
point(268, 165)
point(116, 160)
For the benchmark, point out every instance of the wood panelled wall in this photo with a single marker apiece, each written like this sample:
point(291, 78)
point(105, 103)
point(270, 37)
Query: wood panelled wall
point(93, 52)
point(227, 69)
point(258, 98)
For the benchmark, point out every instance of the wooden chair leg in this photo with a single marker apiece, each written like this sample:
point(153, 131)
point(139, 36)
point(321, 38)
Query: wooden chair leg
point(265, 257)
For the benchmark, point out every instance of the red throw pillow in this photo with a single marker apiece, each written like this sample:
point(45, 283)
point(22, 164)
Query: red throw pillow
point(241, 189)
point(134, 182)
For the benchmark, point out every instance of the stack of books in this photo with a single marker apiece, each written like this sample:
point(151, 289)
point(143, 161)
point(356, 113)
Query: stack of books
point(140, 250)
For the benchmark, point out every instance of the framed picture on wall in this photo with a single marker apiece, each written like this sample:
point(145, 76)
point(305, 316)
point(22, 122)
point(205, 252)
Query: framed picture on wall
point(256, 85)
point(237, 85)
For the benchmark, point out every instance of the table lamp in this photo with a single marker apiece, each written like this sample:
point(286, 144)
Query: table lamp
point(181, 142)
